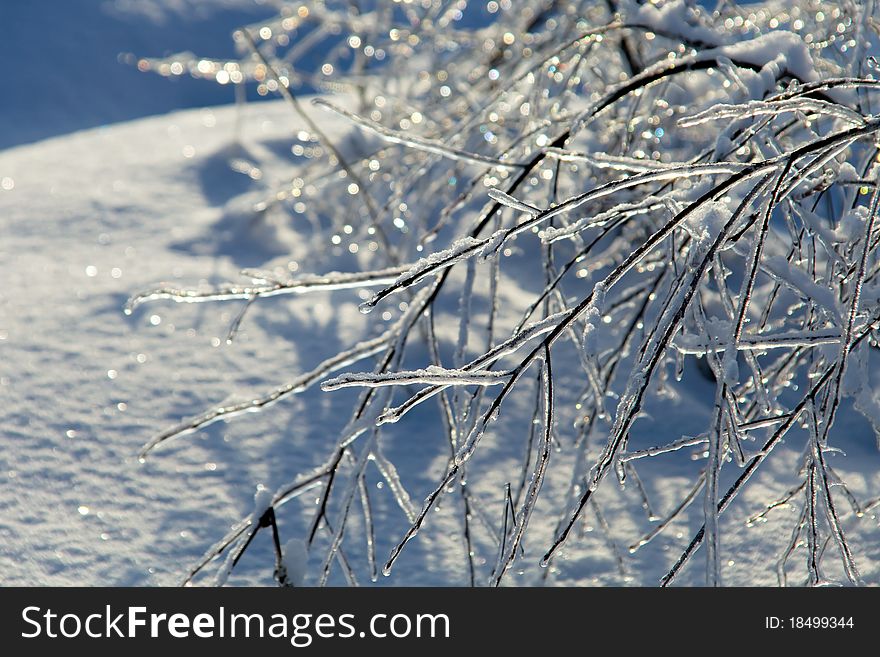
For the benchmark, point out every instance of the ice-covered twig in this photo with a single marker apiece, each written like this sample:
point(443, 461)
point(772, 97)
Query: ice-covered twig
point(266, 286)
point(433, 264)
point(699, 345)
point(347, 501)
point(511, 202)
point(661, 526)
point(412, 141)
point(773, 108)
point(432, 375)
point(613, 162)
point(509, 346)
point(776, 504)
point(538, 473)
point(620, 211)
point(687, 441)
point(228, 411)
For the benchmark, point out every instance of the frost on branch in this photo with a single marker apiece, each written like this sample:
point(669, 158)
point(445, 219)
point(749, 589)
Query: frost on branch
point(581, 218)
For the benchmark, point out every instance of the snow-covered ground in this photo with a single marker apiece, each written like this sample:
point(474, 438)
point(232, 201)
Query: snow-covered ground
point(70, 64)
point(89, 218)
point(95, 216)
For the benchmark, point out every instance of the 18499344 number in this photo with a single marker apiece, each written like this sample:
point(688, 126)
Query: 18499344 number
point(809, 622)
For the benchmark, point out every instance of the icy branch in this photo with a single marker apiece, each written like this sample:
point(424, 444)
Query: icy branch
point(266, 285)
point(432, 375)
point(412, 141)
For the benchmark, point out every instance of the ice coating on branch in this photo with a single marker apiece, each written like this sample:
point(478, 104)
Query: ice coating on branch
point(593, 317)
point(463, 248)
point(643, 206)
point(419, 143)
point(509, 346)
point(590, 345)
point(267, 284)
point(713, 340)
point(506, 199)
point(730, 366)
point(605, 161)
point(224, 571)
point(711, 337)
point(771, 108)
point(495, 241)
point(431, 375)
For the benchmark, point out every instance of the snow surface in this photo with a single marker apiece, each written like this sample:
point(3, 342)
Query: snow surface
point(97, 215)
point(90, 218)
point(70, 64)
